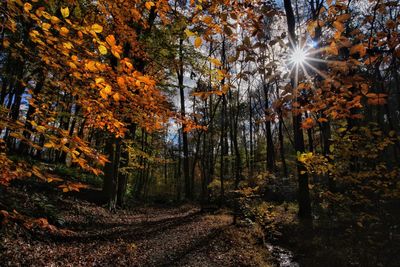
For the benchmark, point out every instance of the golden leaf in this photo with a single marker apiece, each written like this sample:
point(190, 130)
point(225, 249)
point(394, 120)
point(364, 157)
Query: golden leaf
point(64, 31)
point(198, 42)
point(116, 97)
point(72, 65)
point(97, 28)
point(6, 43)
point(107, 89)
point(48, 145)
point(215, 61)
point(103, 94)
point(27, 7)
point(65, 12)
point(55, 20)
point(68, 45)
point(46, 26)
point(149, 5)
point(41, 129)
point(46, 15)
point(99, 80)
point(91, 66)
point(189, 33)
point(102, 50)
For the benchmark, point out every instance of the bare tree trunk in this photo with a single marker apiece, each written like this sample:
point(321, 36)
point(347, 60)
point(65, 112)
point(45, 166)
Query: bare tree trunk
point(303, 194)
point(110, 185)
point(270, 142)
point(186, 173)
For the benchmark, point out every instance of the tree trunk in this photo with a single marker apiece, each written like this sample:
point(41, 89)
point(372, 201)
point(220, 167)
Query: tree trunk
point(185, 145)
point(303, 194)
point(270, 142)
point(110, 185)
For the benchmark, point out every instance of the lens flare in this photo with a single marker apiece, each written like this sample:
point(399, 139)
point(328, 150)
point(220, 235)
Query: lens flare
point(298, 56)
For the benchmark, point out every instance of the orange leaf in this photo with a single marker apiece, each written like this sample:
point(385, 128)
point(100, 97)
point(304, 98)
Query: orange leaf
point(111, 40)
point(198, 42)
point(339, 26)
point(149, 5)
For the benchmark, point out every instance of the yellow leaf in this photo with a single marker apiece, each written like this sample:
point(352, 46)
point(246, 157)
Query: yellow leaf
point(149, 5)
point(102, 50)
point(97, 28)
point(65, 189)
point(107, 89)
point(215, 61)
point(72, 65)
point(91, 66)
point(99, 80)
point(65, 12)
point(189, 33)
point(48, 145)
point(46, 26)
point(45, 15)
point(68, 45)
point(198, 42)
point(27, 7)
point(55, 20)
point(41, 129)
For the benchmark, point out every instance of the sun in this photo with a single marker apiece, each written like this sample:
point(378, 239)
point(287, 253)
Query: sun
point(298, 56)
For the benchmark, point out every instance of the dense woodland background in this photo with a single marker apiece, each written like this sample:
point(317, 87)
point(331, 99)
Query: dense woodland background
point(285, 113)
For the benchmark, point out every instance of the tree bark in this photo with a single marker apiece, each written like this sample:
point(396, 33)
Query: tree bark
point(303, 193)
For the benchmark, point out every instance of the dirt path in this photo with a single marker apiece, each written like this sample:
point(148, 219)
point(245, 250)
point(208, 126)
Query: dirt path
point(144, 237)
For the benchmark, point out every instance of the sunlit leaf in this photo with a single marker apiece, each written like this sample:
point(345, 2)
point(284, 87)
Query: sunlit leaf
point(97, 28)
point(65, 12)
point(197, 42)
point(149, 5)
point(103, 50)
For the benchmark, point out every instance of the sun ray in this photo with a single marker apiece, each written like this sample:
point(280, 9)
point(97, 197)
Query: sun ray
point(323, 75)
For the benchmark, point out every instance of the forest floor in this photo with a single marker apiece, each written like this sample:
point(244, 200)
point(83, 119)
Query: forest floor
point(143, 236)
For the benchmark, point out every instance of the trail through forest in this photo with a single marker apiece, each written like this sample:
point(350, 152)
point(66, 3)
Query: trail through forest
point(146, 236)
